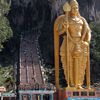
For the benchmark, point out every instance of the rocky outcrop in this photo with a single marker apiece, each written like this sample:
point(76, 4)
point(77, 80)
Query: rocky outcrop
point(88, 8)
point(39, 14)
point(32, 12)
point(28, 14)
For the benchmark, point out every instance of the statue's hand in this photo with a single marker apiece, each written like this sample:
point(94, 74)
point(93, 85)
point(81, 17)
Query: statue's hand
point(85, 43)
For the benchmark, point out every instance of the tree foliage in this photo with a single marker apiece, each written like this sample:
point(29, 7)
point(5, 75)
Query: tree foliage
point(6, 78)
point(95, 49)
point(5, 29)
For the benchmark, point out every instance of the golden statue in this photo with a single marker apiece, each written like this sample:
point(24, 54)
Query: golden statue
point(74, 50)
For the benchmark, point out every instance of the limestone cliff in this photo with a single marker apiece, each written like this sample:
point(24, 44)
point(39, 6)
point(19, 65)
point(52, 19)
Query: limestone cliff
point(32, 12)
point(26, 15)
point(89, 8)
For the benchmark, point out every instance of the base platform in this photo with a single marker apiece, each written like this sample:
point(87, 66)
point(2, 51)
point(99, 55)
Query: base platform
point(68, 94)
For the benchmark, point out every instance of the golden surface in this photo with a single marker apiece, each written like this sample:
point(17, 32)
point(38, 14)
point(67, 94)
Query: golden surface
point(74, 50)
point(66, 7)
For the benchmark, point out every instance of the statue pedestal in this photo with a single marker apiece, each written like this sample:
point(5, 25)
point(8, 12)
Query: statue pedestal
point(64, 94)
point(60, 95)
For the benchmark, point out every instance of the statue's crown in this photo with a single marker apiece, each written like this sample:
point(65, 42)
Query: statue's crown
point(73, 3)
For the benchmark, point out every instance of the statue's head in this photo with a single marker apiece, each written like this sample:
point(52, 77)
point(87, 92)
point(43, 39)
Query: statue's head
point(73, 3)
point(74, 7)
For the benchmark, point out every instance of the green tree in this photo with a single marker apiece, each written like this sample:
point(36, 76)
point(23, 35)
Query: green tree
point(95, 43)
point(5, 29)
point(6, 78)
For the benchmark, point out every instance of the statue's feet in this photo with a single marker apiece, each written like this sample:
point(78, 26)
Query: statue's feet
point(72, 85)
point(88, 87)
point(79, 87)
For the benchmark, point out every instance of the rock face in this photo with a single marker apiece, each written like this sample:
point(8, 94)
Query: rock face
point(27, 15)
point(21, 2)
point(31, 11)
point(89, 8)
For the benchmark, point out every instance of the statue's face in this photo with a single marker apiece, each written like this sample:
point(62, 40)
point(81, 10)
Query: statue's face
point(74, 9)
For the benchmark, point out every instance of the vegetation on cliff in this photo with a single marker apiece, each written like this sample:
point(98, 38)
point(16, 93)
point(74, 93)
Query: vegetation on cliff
point(5, 29)
point(6, 77)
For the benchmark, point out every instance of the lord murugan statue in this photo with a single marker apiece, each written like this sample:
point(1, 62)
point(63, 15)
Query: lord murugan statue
point(74, 50)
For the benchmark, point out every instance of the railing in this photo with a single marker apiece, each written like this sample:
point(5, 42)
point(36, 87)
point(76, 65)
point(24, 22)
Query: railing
point(7, 96)
point(40, 94)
